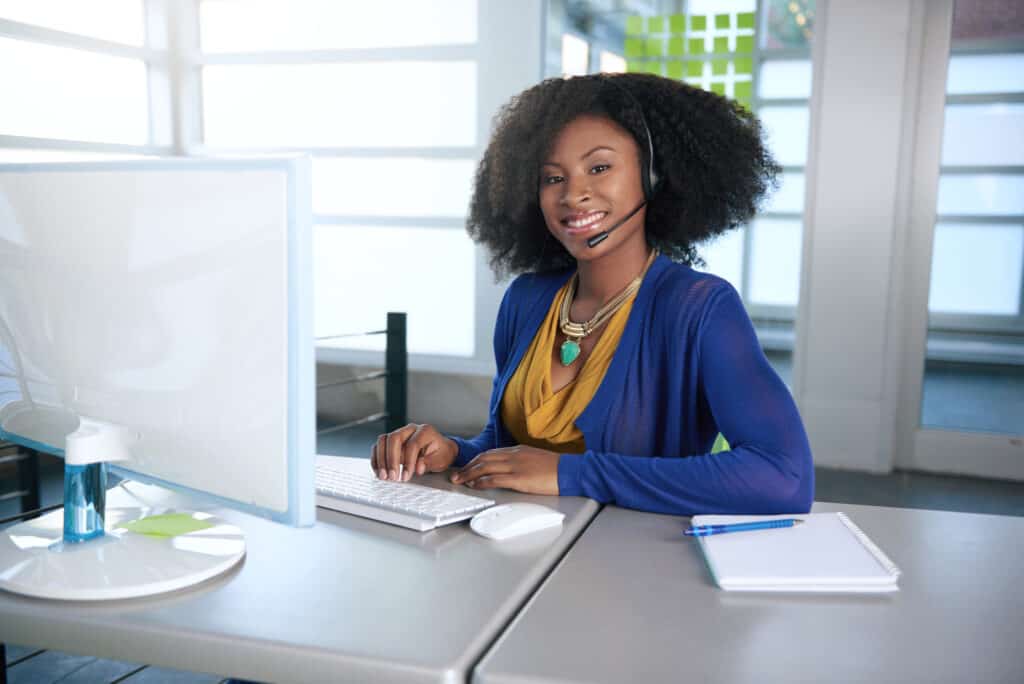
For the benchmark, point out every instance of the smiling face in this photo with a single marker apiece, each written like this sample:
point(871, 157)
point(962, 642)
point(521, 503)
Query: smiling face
point(590, 180)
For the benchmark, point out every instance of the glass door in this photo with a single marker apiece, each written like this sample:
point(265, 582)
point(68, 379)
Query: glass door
point(964, 395)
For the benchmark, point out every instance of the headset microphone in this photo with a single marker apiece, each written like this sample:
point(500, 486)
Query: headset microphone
point(649, 179)
point(603, 235)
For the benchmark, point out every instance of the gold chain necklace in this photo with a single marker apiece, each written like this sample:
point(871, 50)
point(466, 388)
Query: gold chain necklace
point(575, 332)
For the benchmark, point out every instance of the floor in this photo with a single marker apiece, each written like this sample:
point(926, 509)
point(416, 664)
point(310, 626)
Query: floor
point(999, 401)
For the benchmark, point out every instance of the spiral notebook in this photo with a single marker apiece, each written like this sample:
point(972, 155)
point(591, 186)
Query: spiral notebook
point(828, 553)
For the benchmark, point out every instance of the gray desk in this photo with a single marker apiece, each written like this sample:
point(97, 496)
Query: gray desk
point(633, 601)
point(347, 600)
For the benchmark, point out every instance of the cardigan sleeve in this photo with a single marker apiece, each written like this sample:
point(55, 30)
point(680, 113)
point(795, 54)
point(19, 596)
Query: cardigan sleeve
point(768, 469)
point(488, 437)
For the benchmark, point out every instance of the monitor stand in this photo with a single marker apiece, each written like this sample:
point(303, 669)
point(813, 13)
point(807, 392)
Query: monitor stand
point(36, 560)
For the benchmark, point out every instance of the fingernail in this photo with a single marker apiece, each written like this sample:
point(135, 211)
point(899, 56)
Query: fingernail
point(455, 478)
point(382, 474)
point(394, 475)
point(407, 475)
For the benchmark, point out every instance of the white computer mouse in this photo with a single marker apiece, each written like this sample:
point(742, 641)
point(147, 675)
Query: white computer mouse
point(513, 519)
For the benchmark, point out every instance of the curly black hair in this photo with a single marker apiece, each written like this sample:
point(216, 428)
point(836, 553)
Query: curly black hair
point(709, 154)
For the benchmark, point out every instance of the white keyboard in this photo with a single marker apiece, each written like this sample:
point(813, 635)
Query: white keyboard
point(399, 503)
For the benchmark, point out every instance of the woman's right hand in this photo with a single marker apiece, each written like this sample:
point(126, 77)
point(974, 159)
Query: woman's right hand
point(416, 448)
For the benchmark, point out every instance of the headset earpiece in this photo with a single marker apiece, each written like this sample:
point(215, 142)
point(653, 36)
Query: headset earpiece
point(649, 179)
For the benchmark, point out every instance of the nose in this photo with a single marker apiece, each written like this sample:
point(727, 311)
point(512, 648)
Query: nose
point(577, 191)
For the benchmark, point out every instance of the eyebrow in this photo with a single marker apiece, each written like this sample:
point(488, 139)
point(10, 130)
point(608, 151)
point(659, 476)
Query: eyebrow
point(599, 147)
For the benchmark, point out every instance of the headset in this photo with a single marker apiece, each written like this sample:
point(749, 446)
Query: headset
point(649, 179)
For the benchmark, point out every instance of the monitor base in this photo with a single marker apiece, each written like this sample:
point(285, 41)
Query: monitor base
point(36, 561)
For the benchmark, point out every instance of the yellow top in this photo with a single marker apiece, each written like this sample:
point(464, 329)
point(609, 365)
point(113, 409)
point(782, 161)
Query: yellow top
point(535, 416)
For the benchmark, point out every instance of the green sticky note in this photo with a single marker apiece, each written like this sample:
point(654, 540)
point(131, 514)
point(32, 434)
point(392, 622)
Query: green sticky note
point(745, 44)
point(676, 47)
point(696, 46)
point(742, 90)
point(634, 67)
point(634, 25)
point(674, 70)
point(168, 525)
point(677, 23)
point(719, 67)
point(654, 68)
point(721, 45)
point(718, 88)
point(694, 68)
point(655, 47)
point(743, 65)
point(745, 20)
point(634, 47)
point(656, 25)
point(698, 23)
point(721, 21)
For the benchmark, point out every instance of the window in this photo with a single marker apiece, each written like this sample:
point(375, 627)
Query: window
point(61, 56)
point(392, 166)
point(978, 250)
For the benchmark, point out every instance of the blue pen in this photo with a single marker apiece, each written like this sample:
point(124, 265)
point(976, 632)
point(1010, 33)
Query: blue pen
point(707, 530)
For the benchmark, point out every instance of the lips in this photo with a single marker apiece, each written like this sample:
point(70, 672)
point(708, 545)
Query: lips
point(583, 222)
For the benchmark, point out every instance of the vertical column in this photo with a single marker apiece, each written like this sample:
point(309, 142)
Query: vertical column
point(849, 322)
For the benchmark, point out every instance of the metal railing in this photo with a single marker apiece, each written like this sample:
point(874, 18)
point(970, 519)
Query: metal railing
point(395, 375)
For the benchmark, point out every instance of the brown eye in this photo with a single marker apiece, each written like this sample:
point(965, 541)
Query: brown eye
point(551, 180)
point(600, 168)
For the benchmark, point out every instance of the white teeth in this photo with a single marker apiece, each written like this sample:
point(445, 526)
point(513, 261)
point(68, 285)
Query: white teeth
point(584, 222)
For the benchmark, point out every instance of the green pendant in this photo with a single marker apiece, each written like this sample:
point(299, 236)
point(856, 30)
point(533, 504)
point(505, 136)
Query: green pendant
point(570, 352)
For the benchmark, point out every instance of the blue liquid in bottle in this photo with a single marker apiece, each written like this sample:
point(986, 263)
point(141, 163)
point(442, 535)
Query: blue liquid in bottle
point(85, 499)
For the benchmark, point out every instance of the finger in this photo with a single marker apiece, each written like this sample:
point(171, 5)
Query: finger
point(412, 450)
point(377, 457)
point(482, 459)
point(497, 481)
point(481, 468)
point(395, 442)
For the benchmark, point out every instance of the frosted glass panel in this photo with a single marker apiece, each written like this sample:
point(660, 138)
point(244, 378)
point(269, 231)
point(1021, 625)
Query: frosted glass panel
point(230, 25)
point(724, 257)
point(789, 196)
point(987, 195)
point(986, 134)
point(119, 21)
point(985, 74)
point(787, 129)
point(54, 92)
point(430, 275)
point(976, 269)
point(366, 187)
point(380, 104)
point(785, 78)
point(775, 262)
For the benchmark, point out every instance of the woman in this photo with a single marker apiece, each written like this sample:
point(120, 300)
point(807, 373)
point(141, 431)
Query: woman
point(618, 364)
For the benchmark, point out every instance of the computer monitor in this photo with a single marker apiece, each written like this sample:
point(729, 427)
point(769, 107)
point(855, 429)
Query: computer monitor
point(157, 314)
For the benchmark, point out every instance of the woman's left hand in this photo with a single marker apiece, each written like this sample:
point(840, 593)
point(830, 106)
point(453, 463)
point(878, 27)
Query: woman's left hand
point(522, 468)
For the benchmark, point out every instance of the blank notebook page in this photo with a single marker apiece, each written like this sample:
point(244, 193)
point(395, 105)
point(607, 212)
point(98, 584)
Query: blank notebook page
point(827, 552)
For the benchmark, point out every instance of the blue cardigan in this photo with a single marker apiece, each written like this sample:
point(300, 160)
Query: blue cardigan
point(687, 367)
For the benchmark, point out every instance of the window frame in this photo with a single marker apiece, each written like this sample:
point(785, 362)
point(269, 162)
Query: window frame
point(993, 325)
point(155, 57)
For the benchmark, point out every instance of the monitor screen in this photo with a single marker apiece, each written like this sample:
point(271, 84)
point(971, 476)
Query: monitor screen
point(168, 301)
